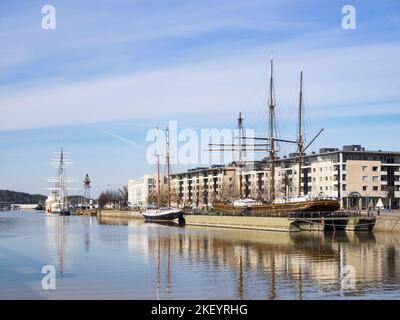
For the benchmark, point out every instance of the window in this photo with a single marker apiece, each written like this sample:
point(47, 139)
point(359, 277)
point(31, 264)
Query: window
point(375, 168)
point(375, 178)
point(365, 178)
point(375, 188)
point(344, 187)
point(365, 168)
point(365, 188)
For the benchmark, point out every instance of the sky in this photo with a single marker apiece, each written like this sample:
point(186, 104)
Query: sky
point(112, 70)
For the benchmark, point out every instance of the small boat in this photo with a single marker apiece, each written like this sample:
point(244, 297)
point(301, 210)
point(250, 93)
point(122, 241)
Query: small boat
point(64, 212)
point(163, 214)
point(169, 212)
point(39, 207)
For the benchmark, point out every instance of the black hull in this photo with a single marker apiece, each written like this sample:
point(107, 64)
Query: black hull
point(163, 217)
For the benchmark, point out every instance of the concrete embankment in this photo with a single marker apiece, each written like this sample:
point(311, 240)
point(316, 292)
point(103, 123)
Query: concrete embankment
point(253, 223)
point(387, 223)
point(119, 214)
point(384, 223)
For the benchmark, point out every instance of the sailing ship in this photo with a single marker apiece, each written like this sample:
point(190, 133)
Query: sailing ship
point(301, 202)
point(169, 212)
point(57, 201)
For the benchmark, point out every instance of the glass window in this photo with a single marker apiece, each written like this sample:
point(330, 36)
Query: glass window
point(365, 168)
point(365, 188)
point(365, 178)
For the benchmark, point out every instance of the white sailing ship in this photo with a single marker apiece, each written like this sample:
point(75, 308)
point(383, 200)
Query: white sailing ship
point(57, 201)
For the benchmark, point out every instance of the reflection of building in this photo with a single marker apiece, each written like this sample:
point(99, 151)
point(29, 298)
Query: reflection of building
point(288, 264)
point(357, 177)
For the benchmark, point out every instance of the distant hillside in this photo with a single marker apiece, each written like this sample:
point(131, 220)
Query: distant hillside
point(21, 197)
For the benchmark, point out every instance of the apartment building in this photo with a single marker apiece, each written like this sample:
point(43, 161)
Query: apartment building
point(140, 191)
point(357, 177)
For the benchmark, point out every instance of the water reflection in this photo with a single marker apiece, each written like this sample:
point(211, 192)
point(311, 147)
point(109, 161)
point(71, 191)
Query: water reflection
point(128, 258)
point(288, 262)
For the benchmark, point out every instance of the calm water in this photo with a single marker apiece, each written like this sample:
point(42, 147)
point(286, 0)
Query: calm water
point(120, 259)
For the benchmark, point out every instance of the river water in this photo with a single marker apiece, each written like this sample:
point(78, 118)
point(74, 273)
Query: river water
point(129, 259)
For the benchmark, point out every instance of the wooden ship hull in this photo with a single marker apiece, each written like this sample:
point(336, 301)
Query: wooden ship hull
point(318, 205)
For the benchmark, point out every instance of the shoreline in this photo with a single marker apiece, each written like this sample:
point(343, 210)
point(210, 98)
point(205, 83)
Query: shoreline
point(386, 223)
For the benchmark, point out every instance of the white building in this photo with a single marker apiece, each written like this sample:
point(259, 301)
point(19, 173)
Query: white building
point(139, 190)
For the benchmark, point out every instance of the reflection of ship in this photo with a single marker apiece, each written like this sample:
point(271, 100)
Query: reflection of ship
point(301, 202)
point(57, 201)
point(169, 212)
point(169, 223)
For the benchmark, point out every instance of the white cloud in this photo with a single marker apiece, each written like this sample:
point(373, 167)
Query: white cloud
point(334, 79)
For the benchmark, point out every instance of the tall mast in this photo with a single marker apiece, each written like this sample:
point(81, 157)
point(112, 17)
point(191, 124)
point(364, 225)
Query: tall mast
point(61, 177)
point(158, 173)
point(168, 169)
point(240, 146)
point(299, 134)
point(271, 134)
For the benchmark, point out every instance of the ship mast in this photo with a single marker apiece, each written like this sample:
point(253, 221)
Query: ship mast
point(158, 173)
point(168, 169)
point(240, 147)
point(271, 135)
point(61, 178)
point(300, 134)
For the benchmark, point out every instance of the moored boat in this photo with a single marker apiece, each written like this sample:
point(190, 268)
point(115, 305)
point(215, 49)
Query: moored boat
point(169, 212)
point(163, 214)
point(303, 202)
point(57, 201)
point(314, 205)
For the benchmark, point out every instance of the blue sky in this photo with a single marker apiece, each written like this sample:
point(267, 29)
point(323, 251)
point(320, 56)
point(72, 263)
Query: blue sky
point(117, 68)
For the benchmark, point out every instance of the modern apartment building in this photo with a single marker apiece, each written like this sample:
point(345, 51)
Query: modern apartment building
point(139, 191)
point(357, 177)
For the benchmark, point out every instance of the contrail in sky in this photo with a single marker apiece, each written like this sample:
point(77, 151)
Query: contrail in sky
point(118, 137)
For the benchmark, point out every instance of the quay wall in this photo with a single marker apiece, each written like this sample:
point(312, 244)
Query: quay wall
point(384, 223)
point(119, 214)
point(387, 223)
point(253, 223)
